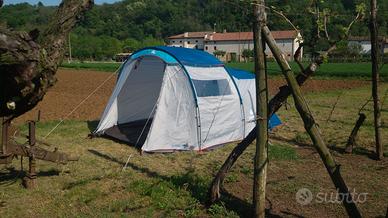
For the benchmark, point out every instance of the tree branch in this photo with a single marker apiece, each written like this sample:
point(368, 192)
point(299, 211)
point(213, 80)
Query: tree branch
point(28, 68)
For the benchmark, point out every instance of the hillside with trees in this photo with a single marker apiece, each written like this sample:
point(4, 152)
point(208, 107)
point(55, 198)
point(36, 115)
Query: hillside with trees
point(131, 24)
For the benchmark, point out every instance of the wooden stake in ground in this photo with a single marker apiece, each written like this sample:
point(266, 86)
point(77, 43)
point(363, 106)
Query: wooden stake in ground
point(311, 126)
point(375, 78)
point(261, 159)
point(352, 138)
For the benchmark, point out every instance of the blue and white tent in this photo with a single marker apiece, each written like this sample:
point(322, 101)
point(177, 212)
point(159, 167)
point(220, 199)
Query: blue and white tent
point(169, 98)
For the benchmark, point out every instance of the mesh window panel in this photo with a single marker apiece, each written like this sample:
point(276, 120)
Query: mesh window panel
point(206, 88)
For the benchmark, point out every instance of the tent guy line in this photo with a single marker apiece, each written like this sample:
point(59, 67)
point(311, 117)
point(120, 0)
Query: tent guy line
point(83, 101)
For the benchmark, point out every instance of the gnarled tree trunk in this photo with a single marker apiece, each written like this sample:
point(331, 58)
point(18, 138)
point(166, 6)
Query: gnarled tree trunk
point(28, 62)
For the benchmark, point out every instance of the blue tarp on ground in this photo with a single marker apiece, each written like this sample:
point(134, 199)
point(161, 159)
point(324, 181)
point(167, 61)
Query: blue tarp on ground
point(274, 122)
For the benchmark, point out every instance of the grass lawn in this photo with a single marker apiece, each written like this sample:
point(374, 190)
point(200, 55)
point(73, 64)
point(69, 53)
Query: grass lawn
point(325, 70)
point(99, 66)
point(175, 185)
point(341, 70)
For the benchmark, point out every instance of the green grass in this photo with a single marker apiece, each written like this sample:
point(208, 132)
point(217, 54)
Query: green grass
point(176, 185)
point(282, 152)
point(340, 70)
point(99, 66)
point(325, 70)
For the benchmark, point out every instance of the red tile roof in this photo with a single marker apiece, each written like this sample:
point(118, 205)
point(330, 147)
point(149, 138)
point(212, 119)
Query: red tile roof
point(234, 36)
point(190, 35)
point(245, 36)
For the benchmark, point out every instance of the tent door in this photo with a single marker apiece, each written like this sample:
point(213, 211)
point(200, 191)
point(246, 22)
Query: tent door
point(136, 102)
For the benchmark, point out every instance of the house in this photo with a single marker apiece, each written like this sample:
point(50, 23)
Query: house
point(193, 40)
point(234, 43)
point(364, 41)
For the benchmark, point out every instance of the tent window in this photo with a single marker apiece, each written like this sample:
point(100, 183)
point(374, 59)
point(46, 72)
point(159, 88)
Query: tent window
point(207, 88)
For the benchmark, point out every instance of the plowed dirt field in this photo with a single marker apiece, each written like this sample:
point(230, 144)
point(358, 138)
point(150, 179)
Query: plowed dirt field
point(66, 100)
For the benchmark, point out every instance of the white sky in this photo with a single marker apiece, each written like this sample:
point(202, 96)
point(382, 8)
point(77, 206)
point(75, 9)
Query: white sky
point(51, 2)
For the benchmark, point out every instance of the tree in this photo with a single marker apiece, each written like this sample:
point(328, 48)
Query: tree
point(247, 54)
point(375, 78)
point(261, 159)
point(346, 50)
point(28, 61)
point(219, 53)
point(293, 87)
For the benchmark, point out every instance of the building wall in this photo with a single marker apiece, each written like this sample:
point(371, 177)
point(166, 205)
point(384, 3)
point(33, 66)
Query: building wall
point(193, 43)
point(237, 47)
point(234, 48)
point(230, 47)
point(366, 45)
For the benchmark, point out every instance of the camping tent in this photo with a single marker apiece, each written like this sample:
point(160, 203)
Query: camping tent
point(170, 98)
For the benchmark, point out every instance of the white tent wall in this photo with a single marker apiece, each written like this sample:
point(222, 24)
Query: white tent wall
point(221, 114)
point(109, 117)
point(178, 107)
point(247, 88)
point(174, 126)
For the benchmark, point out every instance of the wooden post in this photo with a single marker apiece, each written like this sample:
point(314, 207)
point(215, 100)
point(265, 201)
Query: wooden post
point(70, 55)
point(30, 178)
point(375, 78)
point(352, 138)
point(261, 159)
point(311, 126)
point(2, 139)
point(274, 105)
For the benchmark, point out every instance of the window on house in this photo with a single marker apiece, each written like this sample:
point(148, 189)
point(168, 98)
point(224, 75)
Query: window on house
point(196, 40)
point(188, 42)
point(205, 47)
point(206, 88)
point(215, 47)
point(173, 41)
point(180, 41)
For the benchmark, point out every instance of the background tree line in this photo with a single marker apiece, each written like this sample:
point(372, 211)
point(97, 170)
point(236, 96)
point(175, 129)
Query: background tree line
point(131, 24)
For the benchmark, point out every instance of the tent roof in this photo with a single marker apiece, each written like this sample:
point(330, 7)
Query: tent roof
point(184, 56)
point(240, 74)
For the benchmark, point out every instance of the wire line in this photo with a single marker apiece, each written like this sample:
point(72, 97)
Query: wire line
point(83, 101)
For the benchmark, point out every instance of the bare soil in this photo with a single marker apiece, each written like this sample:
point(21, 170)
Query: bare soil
point(69, 100)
